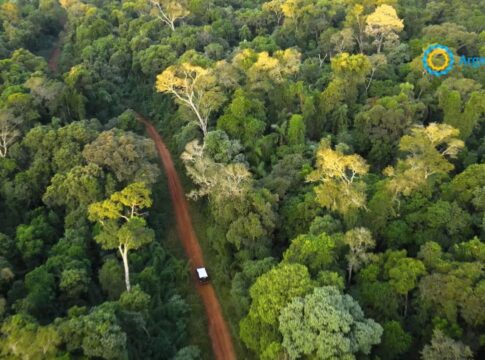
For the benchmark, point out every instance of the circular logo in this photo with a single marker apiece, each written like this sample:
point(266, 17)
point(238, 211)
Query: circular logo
point(431, 56)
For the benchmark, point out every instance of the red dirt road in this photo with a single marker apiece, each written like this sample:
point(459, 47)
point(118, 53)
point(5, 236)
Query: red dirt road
point(218, 330)
point(55, 54)
point(54, 59)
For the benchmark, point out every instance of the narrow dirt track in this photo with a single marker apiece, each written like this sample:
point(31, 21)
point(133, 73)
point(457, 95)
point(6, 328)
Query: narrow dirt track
point(54, 59)
point(55, 54)
point(218, 330)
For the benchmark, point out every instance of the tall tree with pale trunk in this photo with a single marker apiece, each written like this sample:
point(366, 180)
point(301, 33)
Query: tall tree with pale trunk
point(122, 223)
point(359, 241)
point(383, 24)
point(276, 7)
point(355, 20)
point(9, 132)
point(193, 87)
point(169, 11)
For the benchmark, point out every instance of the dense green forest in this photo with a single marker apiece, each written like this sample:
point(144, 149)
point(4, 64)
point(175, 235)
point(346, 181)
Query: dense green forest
point(338, 189)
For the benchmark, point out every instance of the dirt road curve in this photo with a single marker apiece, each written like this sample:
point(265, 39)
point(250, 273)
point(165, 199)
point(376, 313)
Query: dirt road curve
point(218, 330)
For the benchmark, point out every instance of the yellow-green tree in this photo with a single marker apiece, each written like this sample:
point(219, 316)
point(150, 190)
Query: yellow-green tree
point(270, 293)
point(356, 17)
point(383, 25)
point(275, 7)
point(169, 11)
point(122, 224)
point(9, 11)
point(428, 149)
point(348, 72)
point(340, 187)
point(194, 87)
point(23, 338)
point(268, 70)
point(355, 20)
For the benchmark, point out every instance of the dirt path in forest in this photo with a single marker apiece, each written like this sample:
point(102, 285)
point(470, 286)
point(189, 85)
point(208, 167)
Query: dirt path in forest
point(218, 330)
point(55, 53)
point(54, 58)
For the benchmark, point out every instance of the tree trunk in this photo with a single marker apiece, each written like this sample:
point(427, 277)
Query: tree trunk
point(370, 80)
point(360, 37)
point(379, 44)
point(124, 256)
point(202, 122)
point(350, 275)
point(361, 44)
point(163, 16)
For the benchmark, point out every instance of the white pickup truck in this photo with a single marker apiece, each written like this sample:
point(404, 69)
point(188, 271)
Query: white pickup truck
point(202, 275)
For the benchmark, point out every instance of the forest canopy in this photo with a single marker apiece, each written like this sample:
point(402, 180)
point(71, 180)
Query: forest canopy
point(337, 187)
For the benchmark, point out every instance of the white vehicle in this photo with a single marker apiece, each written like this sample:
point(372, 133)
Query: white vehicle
point(202, 275)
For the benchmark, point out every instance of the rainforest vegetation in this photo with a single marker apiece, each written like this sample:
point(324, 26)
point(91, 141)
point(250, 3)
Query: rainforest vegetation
point(337, 188)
